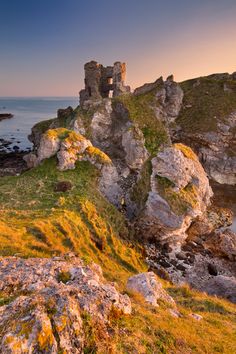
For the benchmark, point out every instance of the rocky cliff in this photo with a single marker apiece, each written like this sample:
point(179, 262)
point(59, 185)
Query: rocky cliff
point(207, 123)
point(115, 182)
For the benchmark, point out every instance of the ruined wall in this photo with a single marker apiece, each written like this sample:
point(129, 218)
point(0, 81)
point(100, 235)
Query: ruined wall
point(101, 82)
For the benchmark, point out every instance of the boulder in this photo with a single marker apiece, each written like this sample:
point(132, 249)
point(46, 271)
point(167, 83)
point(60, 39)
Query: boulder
point(180, 192)
point(149, 287)
point(222, 286)
point(52, 298)
point(222, 243)
point(133, 143)
point(69, 147)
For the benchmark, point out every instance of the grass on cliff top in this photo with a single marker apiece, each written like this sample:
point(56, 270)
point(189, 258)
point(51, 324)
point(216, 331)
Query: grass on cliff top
point(205, 102)
point(141, 111)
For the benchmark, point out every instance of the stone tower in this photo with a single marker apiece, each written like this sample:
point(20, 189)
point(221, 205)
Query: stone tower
point(101, 82)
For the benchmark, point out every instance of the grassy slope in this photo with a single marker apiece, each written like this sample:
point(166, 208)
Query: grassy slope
point(208, 103)
point(36, 221)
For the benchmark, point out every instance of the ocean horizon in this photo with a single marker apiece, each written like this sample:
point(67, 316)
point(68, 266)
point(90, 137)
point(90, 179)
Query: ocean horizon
point(27, 112)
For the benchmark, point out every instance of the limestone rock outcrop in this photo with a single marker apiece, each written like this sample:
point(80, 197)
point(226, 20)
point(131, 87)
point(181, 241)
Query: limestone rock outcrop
point(47, 313)
point(222, 286)
point(222, 243)
point(169, 97)
point(69, 147)
point(147, 285)
point(180, 192)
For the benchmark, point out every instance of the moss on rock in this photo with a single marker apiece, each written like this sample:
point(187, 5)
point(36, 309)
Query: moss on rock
point(179, 201)
point(141, 111)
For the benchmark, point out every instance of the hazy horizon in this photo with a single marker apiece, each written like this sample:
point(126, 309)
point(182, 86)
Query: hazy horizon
point(45, 44)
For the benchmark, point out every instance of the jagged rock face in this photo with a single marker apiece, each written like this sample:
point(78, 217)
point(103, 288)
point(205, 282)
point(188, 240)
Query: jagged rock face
point(215, 218)
point(216, 152)
point(135, 152)
point(113, 132)
point(169, 97)
point(53, 296)
point(101, 125)
point(222, 286)
point(207, 123)
point(222, 243)
point(149, 287)
point(109, 184)
point(120, 138)
point(180, 192)
point(200, 263)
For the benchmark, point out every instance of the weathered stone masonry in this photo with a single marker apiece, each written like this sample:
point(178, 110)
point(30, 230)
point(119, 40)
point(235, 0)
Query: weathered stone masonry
point(101, 82)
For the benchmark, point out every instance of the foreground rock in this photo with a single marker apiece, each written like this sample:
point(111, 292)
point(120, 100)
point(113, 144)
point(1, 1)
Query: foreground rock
point(69, 147)
point(150, 288)
point(50, 301)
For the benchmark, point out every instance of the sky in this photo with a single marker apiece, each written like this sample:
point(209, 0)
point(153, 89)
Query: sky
point(44, 44)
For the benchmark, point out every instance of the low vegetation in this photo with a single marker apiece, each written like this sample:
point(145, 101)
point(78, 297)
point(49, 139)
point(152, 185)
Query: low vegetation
point(179, 201)
point(37, 221)
point(96, 154)
point(152, 330)
point(206, 101)
point(141, 111)
point(187, 151)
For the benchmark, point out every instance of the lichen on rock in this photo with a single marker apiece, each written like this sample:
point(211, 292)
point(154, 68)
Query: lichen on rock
point(47, 314)
point(69, 147)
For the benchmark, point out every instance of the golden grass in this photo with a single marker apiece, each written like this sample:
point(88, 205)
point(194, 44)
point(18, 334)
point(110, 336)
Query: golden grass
point(98, 155)
point(187, 151)
point(34, 222)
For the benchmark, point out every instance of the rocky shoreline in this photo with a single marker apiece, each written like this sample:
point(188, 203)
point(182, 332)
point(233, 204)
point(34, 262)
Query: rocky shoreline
point(12, 163)
point(5, 116)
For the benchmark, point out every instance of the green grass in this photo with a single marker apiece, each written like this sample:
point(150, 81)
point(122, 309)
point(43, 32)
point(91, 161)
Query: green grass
point(37, 221)
point(139, 193)
point(208, 103)
point(141, 111)
point(180, 201)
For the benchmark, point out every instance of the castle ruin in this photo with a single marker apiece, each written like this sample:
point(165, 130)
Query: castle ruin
point(101, 82)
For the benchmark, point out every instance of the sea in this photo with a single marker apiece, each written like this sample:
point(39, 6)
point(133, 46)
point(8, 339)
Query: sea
point(28, 111)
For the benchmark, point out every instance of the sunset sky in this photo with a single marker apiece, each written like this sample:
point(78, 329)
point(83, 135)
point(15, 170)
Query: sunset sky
point(45, 43)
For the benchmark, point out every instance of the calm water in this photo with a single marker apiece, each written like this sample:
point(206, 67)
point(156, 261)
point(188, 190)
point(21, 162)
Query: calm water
point(27, 112)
